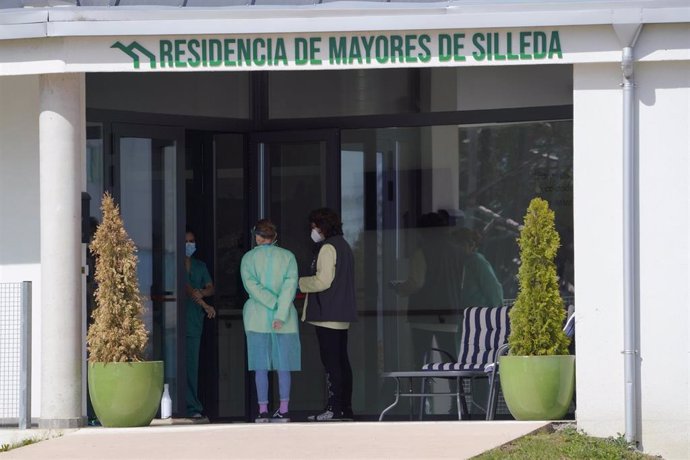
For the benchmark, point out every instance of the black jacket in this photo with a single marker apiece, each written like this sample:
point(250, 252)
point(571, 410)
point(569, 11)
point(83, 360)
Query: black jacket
point(337, 303)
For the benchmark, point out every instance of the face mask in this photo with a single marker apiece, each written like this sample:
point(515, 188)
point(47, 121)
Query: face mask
point(189, 249)
point(316, 236)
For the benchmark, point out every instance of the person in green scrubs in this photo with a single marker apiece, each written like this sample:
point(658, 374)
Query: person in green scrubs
point(199, 285)
point(480, 285)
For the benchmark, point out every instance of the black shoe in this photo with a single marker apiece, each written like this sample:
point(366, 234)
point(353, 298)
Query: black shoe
point(348, 414)
point(280, 417)
point(263, 418)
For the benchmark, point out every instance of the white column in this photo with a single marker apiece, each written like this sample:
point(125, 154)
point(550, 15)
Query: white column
point(61, 143)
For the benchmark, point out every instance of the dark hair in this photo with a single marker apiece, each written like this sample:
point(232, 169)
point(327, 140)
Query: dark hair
point(468, 236)
point(327, 221)
point(265, 229)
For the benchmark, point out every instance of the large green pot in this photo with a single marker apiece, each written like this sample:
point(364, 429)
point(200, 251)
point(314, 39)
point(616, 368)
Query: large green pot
point(537, 387)
point(126, 394)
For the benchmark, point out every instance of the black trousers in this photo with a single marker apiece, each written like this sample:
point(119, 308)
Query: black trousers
point(333, 349)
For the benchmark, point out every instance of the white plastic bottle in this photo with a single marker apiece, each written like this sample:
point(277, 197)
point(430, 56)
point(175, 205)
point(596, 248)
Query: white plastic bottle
point(166, 403)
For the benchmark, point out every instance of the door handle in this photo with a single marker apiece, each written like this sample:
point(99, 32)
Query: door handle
point(162, 297)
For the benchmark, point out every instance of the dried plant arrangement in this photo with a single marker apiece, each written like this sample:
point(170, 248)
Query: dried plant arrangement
point(118, 333)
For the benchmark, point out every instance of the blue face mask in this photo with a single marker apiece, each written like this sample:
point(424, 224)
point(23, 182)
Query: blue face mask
point(189, 249)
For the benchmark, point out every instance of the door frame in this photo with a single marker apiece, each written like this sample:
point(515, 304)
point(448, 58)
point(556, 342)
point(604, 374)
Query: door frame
point(259, 179)
point(113, 183)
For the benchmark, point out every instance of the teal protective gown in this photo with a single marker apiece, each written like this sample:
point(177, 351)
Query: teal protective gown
point(481, 287)
point(269, 275)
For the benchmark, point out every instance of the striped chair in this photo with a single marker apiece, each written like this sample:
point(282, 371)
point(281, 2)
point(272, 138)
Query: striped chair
point(484, 331)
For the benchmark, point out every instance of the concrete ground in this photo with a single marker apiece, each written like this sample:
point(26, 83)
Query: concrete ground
point(359, 440)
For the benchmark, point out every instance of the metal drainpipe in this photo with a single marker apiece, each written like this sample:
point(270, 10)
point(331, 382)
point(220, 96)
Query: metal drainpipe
point(630, 244)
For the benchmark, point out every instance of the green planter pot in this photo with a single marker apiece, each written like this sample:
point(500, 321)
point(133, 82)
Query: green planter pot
point(126, 394)
point(537, 387)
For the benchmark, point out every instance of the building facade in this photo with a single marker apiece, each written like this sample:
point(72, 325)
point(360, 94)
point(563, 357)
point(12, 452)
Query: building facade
point(413, 120)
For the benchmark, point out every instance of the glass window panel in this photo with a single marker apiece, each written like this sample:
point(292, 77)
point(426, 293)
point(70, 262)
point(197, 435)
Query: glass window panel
point(230, 227)
point(148, 202)
point(208, 94)
point(342, 93)
point(94, 167)
point(94, 187)
point(432, 214)
point(297, 185)
point(502, 167)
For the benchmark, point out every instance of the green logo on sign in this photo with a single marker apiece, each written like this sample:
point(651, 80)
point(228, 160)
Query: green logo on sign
point(129, 51)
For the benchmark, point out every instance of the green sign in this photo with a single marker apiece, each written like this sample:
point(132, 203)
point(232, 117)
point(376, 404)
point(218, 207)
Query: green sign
point(345, 50)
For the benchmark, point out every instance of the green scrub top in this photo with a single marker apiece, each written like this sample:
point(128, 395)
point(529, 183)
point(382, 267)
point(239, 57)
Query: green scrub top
point(480, 287)
point(198, 278)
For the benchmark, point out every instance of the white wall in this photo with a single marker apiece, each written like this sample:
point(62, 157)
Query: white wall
point(663, 91)
point(664, 146)
point(19, 201)
point(597, 196)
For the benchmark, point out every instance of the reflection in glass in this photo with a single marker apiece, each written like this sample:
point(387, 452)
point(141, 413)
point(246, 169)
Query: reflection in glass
point(230, 230)
point(297, 185)
point(94, 167)
point(148, 205)
point(94, 187)
point(432, 214)
point(339, 93)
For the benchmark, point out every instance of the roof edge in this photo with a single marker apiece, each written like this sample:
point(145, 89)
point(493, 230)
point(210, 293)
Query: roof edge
point(334, 16)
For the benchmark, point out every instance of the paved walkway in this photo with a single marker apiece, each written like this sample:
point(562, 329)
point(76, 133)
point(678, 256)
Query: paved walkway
point(359, 440)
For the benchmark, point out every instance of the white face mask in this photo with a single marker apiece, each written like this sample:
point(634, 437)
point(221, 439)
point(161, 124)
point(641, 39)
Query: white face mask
point(316, 236)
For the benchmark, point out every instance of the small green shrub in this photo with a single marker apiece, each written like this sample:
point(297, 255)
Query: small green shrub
point(536, 319)
point(118, 332)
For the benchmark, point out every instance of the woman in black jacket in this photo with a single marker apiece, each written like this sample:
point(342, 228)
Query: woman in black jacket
point(330, 307)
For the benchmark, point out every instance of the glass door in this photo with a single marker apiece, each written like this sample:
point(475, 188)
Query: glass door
point(223, 379)
point(146, 174)
point(297, 172)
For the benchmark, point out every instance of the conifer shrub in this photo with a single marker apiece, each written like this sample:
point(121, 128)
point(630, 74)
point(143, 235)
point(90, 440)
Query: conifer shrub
point(118, 332)
point(536, 319)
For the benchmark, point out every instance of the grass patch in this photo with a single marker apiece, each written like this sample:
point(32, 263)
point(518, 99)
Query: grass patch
point(14, 445)
point(565, 443)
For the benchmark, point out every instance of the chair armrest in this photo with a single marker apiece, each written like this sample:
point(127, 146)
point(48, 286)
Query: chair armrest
point(569, 327)
point(492, 367)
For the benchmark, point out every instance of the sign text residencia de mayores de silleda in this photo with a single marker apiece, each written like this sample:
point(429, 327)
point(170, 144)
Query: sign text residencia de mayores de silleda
point(346, 50)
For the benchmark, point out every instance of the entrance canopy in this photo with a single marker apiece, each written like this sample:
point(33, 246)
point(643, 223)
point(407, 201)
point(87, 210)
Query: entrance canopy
point(282, 35)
